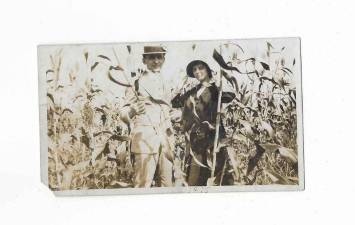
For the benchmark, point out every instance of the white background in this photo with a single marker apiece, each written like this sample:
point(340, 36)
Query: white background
point(327, 32)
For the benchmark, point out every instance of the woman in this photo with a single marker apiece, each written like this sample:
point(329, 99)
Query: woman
point(199, 121)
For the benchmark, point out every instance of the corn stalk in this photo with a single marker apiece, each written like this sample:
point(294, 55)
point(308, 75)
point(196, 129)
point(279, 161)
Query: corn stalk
point(215, 143)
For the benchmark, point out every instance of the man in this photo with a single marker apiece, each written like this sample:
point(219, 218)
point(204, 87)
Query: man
point(147, 114)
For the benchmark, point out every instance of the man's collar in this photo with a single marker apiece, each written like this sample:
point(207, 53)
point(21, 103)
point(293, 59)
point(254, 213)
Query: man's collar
point(154, 71)
point(150, 71)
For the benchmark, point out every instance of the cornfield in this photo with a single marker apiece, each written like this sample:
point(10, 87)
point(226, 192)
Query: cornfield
point(88, 144)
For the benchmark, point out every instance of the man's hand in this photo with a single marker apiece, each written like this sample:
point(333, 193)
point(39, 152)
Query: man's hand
point(137, 106)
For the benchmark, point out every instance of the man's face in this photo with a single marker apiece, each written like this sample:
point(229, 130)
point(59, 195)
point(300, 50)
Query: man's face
point(154, 62)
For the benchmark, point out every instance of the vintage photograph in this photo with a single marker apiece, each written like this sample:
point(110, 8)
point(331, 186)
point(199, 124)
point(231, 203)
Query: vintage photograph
point(160, 117)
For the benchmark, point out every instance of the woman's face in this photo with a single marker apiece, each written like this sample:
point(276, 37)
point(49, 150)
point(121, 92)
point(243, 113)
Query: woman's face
point(200, 72)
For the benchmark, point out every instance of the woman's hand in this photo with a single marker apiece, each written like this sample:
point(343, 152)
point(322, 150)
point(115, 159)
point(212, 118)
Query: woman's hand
point(208, 125)
point(175, 115)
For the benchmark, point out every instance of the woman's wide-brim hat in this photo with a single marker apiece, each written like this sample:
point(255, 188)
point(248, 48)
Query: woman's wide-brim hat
point(190, 66)
point(148, 50)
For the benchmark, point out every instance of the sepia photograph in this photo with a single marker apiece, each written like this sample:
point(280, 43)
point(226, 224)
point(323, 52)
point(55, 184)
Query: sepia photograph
point(175, 112)
point(163, 117)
